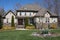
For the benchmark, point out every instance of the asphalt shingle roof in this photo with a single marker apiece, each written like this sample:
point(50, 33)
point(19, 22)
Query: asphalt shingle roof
point(34, 7)
point(41, 11)
point(30, 7)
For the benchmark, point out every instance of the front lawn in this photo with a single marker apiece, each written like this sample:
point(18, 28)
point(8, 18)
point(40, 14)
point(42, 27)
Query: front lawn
point(24, 35)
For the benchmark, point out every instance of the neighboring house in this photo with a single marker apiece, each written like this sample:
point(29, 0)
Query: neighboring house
point(8, 17)
point(37, 16)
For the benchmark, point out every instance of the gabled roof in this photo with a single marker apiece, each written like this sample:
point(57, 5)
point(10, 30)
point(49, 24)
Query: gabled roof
point(30, 7)
point(43, 11)
point(35, 7)
point(8, 12)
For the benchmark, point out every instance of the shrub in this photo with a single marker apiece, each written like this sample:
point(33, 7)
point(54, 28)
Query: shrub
point(44, 32)
point(6, 28)
point(27, 25)
point(12, 22)
point(53, 26)
point(30, 27)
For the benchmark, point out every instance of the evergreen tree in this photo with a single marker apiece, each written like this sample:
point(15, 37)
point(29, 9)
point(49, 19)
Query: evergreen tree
point(1, 22)
point(12, 21)
point(2, 12)
point(26, 21)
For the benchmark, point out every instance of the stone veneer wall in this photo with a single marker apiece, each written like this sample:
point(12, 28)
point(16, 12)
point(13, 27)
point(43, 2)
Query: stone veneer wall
point(54, 25)
point(38, 25)
point(9, 25)
point(45, 25)
point(50, 25)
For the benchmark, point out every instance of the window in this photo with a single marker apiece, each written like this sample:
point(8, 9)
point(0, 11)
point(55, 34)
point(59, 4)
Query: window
point(31, 21)
point(22, 13)
point(47, 20)
point(25, 13)
point(7, 20)
point(30, 14)
point(54, 21)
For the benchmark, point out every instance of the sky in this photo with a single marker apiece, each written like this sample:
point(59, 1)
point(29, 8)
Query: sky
point(11, 4)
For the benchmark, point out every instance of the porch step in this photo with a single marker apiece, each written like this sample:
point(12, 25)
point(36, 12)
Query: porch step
point(21, 29)
point(20, 26)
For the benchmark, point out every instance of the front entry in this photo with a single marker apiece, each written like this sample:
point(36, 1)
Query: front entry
point(20, 21)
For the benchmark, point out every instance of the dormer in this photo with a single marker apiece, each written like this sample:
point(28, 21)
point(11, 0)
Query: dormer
point(47, 15)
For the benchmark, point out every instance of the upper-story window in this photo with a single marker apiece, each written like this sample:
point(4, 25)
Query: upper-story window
point(31, 13)
point(27, 13)
point(22, 13)
point(31, 21)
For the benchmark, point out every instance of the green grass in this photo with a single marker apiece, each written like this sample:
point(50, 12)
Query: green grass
point(24, 35)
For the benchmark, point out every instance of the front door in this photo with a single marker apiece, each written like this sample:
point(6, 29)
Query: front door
point(20, 21)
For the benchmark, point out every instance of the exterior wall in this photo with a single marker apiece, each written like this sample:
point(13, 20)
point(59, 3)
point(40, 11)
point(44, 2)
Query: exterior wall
point(37, 19)
point(18, 13)
point(53, 20)
point(42, 21)
point(8, 18)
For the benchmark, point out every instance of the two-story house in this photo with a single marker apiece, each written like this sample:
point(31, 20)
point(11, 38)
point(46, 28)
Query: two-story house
point(37, 15)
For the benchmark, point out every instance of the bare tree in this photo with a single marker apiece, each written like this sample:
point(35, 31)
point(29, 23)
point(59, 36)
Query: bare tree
point(49, 4)
point(54, 5)
point(17, 6)
point(57, 8)
point(37, 2)
point(2, 12)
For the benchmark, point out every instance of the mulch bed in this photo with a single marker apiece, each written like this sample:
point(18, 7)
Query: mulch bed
point(46, 35)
